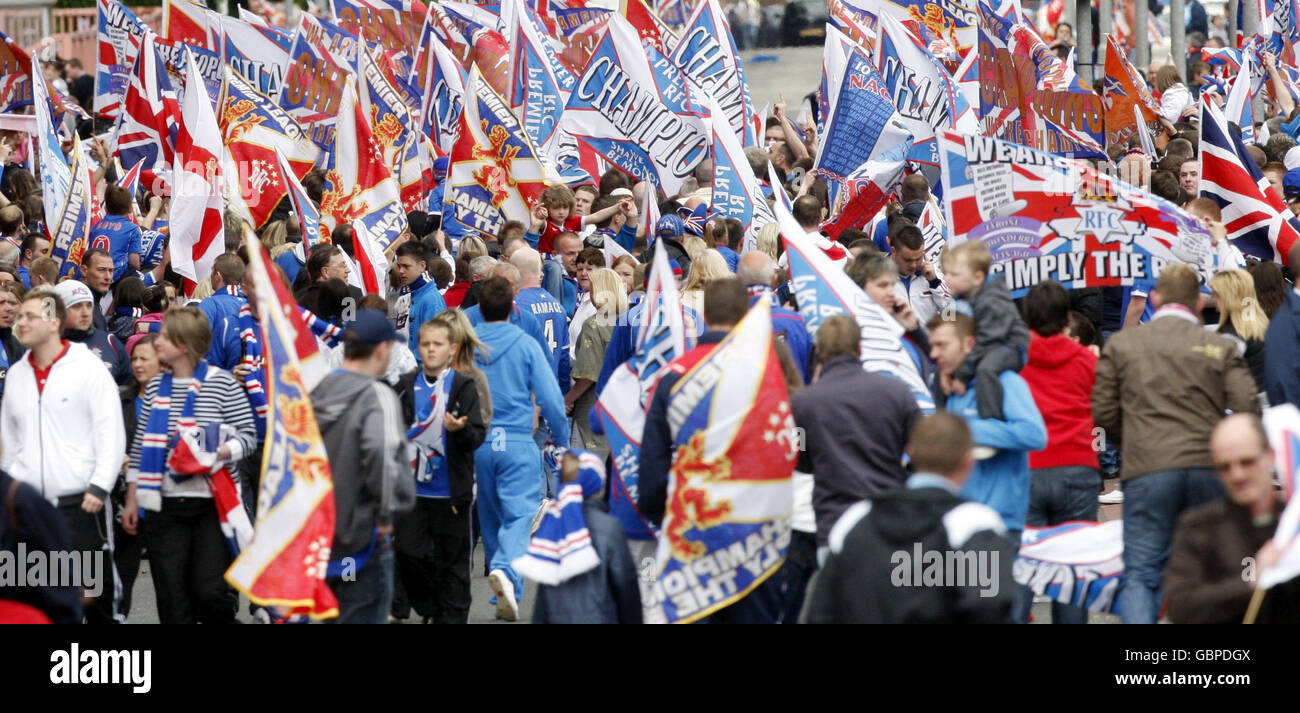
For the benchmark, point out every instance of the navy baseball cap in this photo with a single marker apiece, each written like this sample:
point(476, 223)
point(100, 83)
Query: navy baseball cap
point(371, 327)
point(670, 226)
point(1291, 184)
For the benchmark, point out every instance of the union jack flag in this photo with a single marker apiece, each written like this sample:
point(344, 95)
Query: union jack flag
point(146, 128)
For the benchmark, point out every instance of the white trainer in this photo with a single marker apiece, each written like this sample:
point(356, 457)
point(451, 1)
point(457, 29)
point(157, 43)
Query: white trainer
point(507, 607)
point(1114, 497)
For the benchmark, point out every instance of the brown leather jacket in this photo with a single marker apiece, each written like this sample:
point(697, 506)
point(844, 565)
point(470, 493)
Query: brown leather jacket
point(1162, 386)
point(1204, 579)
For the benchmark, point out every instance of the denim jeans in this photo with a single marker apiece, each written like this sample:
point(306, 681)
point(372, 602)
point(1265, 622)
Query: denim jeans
point(367, 599)
point(1152, 504)
point(1056, 496)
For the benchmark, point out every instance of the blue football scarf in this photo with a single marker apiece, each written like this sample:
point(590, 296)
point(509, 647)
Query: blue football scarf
point(154, 444)
point(561, 549)
point(429, 436)
point(417, 285)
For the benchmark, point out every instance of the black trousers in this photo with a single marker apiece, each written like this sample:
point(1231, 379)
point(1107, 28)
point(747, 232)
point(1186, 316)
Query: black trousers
point(188, 557)
point(800, 563)
point(126, 556)
point(433, 546)
point(90, 532)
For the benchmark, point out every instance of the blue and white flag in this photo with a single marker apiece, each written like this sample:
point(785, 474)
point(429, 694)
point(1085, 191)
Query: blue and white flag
point(1077, 563)
point(257, 54)
point(736, 191)
point(863, 125)
point(708, 57)
point(923, 92)
point(56, 176)
point(120, 33)
point(539, 83)
point(662, 337)
point(70, 236)
point(632, 108)
point(823, 290)
point(444, 97)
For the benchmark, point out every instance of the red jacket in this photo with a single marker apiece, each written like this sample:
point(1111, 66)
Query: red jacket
point(1060, 374)
point(455, 294)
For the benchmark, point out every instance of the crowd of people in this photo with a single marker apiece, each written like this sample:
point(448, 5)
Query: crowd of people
point(459, 411)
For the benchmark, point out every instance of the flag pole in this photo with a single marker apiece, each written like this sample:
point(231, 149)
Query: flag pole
point(1253, 610)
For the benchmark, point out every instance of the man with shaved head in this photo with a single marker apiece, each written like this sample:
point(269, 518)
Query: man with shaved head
point(532, 298)
point(1208, 581)
point(758, 272)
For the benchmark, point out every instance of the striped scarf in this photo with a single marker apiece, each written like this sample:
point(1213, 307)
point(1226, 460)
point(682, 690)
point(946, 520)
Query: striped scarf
point(154, 443)
point(561, 549)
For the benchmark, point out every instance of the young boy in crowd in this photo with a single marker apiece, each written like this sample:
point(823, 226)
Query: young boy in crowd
point(554, 214)
point(1001, 337)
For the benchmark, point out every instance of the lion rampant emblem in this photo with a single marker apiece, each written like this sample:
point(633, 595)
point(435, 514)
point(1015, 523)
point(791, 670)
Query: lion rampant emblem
point(387, 130)
point(239, 119)
point(496, 177)
point(690, 506)
point(334, 203)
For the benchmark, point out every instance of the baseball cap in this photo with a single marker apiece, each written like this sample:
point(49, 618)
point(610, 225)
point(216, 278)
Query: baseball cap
point(73, 292)
point(669, 226)
point(1291, 183)
point(1292, 158)
point(371, 327)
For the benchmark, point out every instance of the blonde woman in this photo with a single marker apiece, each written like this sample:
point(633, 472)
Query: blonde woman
point(274, 235)
point(694, 245)
point(768, 238)
point(708, 267)
point(609, 296)
point(1241, 318)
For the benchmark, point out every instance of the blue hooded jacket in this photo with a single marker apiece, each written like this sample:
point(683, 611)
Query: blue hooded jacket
point(426, 303)
point(1002, 481)
point(222, 311)
point(516, 369)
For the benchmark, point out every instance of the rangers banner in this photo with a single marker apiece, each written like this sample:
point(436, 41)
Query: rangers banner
point(495, 173)
point(863, 125)
point(71, 235)
point(726, 525)
point(330, 40)
point(259, 55)
point(313, 89)
point(951, 26)
point(1077, 563)
point(661, 337)
point(822, 290)
point(358, 184)
point(736, 191)
point(539, 83)
point(393, 128)
point(210, 69)
point(708, 57)
point(284, 564)
point(579, 30)
point(118, 38)
point(632, 107)
point(1123, 91)
point(56, 177)
point(1046, 217)
point(1046, 106)
point(189, 22)
point(395, 25)
point(923, 92)
point(444, 97)
point(254, 130)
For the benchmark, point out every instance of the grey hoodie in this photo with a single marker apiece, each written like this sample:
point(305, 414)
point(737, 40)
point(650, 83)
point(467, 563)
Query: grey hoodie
point(360, 421)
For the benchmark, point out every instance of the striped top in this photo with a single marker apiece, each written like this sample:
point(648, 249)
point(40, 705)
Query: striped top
point(222, 400)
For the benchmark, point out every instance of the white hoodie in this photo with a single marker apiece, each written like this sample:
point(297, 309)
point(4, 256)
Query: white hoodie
point(68, 439)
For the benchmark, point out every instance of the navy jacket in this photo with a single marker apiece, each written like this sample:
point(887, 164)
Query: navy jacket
point(1282, 353)
point(608, 594)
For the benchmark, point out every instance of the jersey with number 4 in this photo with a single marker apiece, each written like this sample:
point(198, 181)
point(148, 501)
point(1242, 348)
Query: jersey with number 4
point(550, 313)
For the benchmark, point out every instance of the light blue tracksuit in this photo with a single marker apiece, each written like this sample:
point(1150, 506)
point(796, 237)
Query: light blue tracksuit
point(1002, 482)
point(508, 464)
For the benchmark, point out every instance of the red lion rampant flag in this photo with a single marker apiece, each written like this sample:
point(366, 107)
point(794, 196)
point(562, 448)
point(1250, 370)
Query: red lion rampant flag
point(727, 524)
point(284, 565)
point(358, 184)
point(495, 173)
